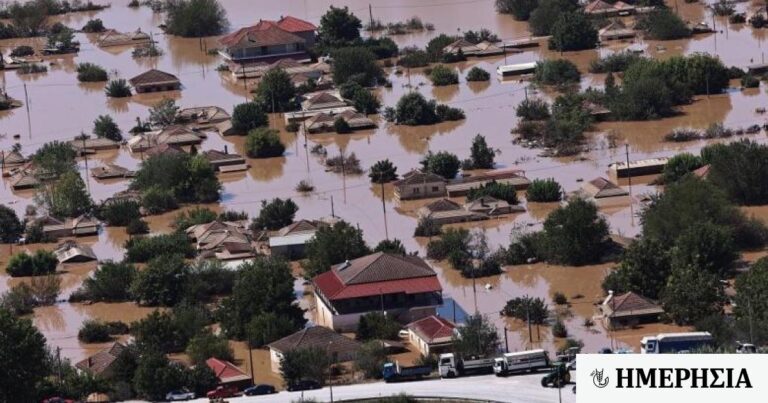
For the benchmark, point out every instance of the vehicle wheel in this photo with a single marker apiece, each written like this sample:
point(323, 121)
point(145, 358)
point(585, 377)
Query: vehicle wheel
point(451, 375)
point(544, 382)
point(567, 378)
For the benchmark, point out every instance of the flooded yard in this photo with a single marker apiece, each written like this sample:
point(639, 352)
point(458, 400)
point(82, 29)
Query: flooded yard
point(57, 107)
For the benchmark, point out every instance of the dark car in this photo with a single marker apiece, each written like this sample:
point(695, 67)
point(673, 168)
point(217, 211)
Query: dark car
point(304, 384)
point(262, 389)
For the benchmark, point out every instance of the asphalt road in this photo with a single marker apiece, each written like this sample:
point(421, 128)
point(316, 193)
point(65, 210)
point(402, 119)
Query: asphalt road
point(512, 389)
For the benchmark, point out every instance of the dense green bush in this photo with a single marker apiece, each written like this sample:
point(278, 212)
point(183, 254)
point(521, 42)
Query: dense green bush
point(118, 88)
point(614, 62)
point(93, 331)
point(157, 200)
point(40, 263)
point(188, 178)
point(105, 127)
point(264, 143)
point(477, 74)
point(10, 226)
point(575, 234)
point(93, 26)
point(333, 245)
point(413, 57)
point(528, 309)
point(248, 116)
point(533, 109)
point(137, 226)
point(498, 190)
point(376, 326)
point(161, 283)
point(22, 51)
point(383, 171)
point(573, 31)
point(274, 214)
point(738, 169)
point(141, 250)
point(663, 24)
point(109, 282)
point(543, 17)
point(750, 81)
point(544, 190)
point(556, 72)
point(356, 64)
point(276, 91)
point(679, 166)
point(441, 163)
point(195, 216)
point(519, 9)
point(195, 18)
point(442, 75)
point(119, 213)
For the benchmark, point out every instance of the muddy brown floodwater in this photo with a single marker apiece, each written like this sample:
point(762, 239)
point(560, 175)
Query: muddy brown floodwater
point(60, 108)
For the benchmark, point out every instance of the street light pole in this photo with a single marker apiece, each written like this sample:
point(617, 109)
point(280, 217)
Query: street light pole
point(330, 370)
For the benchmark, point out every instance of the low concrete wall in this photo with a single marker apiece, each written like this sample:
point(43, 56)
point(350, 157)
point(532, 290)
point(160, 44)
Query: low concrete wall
point(421, 399)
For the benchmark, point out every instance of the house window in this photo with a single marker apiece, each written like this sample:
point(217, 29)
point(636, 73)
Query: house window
point(435, 188)
point(264, 50)
point(416, 190)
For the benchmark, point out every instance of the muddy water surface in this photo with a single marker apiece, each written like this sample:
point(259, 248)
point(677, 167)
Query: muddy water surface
point(60, 108)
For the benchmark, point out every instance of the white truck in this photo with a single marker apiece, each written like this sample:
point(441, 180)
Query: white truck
point(531, 360)
point(452, 366)
point(675, 342)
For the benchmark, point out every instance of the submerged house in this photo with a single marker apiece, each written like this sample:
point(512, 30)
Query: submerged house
point(155, 81)
point(111, 171)
point(176, 135)
point(461, 186)
point(11, 158)
point(223, 161)
point(324, 122)
point(80, 226)
point(112, 37)
point(206, 118)
point(419, 185)
point(339, 347)
point(291, 240)
point(615, 30)
point(268, 41)
point(491, 206)
point(223, 240)
point(91, 145)
point(445, 211)
point(629, 309)
point(469, 49)
point(72, 252)
point(404, 287)
point(600, 188)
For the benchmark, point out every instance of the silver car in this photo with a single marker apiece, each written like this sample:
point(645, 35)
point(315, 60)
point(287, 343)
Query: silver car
point(179, 395)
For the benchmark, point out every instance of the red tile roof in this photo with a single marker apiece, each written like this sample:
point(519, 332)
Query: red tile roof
point(331, 286)
point(294, 25)
point(225, 371)
point(432, 328)
point(101, 361)
point(287, 24)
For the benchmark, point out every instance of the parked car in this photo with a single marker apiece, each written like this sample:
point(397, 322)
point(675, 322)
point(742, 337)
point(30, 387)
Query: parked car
point(178, 395)
point(57, 399)
point(262, 389)
point(304, 384)
point(223, 391)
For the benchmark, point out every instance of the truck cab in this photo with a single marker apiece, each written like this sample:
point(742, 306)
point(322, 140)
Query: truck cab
point(499, 365)
point(447, 365)
point(389, 371)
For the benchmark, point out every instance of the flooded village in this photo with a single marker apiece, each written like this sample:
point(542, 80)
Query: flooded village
point(327, 146)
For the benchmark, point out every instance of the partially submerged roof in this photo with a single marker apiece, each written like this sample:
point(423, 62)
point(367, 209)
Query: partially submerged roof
point(323, 100)
point(288, 24)
point(378, 273)
point(12, 158)
point(629, 304)
point(72, 252)
point(154, 77)
point(317, 337)
point(601, 187)
point(418, 177)
point(442, 205)
point(433, 329)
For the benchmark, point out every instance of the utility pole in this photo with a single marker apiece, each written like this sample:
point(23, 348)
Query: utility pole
point(29, 118)
point(629, 171)
point(506, 339)
point(330, 369)
point(250, 354)
point(384, 209)
point(85, 156)
point(528, 319)
point(370, 14)
point(526, 92)
point(58, 365)
point(333, 214)
point(381, 296)
point(474, 287)
point(344, 176)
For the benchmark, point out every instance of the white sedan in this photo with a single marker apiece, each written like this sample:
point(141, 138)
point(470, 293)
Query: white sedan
point(178, 395)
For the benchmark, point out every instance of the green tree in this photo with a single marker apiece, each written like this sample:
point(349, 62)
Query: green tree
point(156, 375)
point(391, 246)
point(480, 154)
point(377, 326)
point(575, 234)
point(333, 245)
point(341, 126)
point(738, 169)
point(362, 99)
point(93, 331)
point(248, 116)
point(54, 158)
point(544, 190)
point(266, 327)
point(573, 31)
point(187, 178)
point(104, 126)
point(10, 226)
point(195, 18)
point(478, 74)
point(118, 88)
point(264, 285)
point(276, 91)
point(527, 308)
point(691, 294)
point(541, 21)
point(356, 64)
point(144, 249)
point(663, 24)
point(161, 282)
point(533, 109)
point(442, 75)
point(40, 263)
point(413, 109)
point(643, 269)
point(478, 337)
point(307, 363)
point(436, 45)
point(520, 9)
point(108, 283)
point(200, 379)
point(163, 113)
point(195, 216)
point(160, 331)
point(441, 163)
point(338, 28)
point(751, 300)
point(89, 72)
point(67, 197)
point(275, 214)
point(206, 345)
point(556, 72)
point(383, 171)
point(498, 190)
point(706, 246)
point(264, 142)
point(157, 200)
point(22, 349)
point(680, 165)
point(371, 359)
point(93, 26)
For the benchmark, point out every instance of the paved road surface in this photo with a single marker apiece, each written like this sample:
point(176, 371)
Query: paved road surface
point(513, 389)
